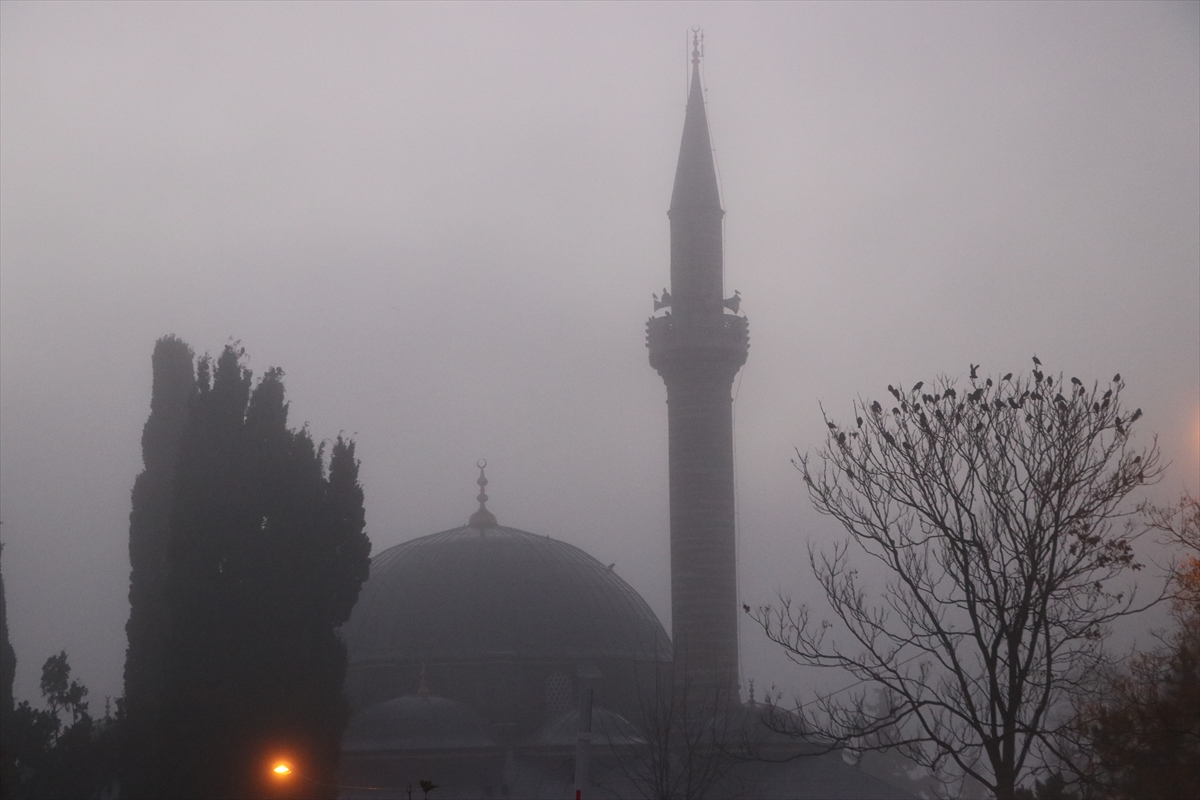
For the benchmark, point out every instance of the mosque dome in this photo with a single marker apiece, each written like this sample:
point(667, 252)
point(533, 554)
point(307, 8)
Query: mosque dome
point(490, 592)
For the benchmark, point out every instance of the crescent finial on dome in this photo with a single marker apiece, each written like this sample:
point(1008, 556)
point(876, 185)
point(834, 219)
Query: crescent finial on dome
point(482, 519)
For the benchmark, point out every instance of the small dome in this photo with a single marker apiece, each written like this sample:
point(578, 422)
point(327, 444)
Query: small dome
point(417, 722)
point(471, 593)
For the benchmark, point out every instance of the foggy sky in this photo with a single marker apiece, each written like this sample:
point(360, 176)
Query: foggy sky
point(445, 223)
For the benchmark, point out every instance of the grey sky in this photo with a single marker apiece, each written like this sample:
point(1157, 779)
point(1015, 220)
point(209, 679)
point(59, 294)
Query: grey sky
point(445, 222)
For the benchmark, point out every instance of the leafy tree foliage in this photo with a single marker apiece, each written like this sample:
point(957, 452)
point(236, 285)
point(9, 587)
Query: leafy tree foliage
point(8, 673)
point(1142, 739)
point(174, 384)
point(991, 510)
point(266, 556)
point(60, 692)
point(61, 751)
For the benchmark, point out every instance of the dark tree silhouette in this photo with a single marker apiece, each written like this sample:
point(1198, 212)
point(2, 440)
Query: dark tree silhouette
point(990, 512)
point(1141, 738)
point(266, 557)
point(8, 673)
point(174, 383)
point(61, 751)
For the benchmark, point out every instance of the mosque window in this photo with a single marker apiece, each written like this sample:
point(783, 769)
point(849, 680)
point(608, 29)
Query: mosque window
point(558, 695)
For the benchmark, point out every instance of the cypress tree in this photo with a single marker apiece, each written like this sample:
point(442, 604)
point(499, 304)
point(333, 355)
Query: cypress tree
point(267, 556)
point(170, 398)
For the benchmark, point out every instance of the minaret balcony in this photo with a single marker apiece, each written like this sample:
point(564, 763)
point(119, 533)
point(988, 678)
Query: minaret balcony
point(723, 338)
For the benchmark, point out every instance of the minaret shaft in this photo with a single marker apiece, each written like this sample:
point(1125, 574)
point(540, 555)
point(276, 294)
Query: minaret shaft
point(697, 349)
point(703, 548)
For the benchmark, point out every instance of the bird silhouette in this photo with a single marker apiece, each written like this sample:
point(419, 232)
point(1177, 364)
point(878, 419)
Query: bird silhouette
point(1076, 381)
point(973, 368)
point(918, 386)
point(1007, 377)
point(733, 303)
point(1117, 378)
point(1037, 361)
point(876, 408)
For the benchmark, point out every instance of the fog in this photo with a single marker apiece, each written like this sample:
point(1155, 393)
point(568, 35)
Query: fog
point(445, 222)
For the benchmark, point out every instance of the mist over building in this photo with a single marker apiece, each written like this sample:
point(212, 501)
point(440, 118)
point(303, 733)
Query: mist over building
point(498, 662)
point(445, 220)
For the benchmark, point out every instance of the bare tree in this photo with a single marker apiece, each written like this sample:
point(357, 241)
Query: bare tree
point(995, 512)
point(1178, 525)
point(687, 737)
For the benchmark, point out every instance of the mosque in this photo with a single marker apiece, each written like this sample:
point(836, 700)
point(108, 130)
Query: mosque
point(495, 662)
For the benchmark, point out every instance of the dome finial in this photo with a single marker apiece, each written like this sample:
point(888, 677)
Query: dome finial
point(697, 40)
point(482, 518)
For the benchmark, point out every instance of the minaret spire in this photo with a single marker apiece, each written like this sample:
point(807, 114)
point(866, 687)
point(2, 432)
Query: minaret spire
point(698, 349)
point(695, 209)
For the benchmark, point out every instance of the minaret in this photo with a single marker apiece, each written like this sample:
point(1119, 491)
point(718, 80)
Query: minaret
point(698, 348)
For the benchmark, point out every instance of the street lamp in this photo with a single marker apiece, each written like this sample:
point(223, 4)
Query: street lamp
point(282, 772)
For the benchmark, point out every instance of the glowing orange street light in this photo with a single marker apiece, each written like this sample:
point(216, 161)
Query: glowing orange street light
point(281, 769)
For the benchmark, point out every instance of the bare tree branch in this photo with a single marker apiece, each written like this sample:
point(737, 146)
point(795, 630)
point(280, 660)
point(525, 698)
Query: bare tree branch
point(1000, 514)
